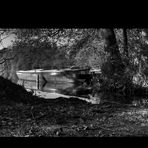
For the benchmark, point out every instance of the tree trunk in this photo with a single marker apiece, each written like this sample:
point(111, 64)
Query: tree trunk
point(112, 45)
point(125, 42)
point(114, 65)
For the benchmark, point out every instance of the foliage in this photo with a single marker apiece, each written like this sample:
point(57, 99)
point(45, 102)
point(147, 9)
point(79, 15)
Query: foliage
point(91, 55)
point(138, 54)
point(120, 53)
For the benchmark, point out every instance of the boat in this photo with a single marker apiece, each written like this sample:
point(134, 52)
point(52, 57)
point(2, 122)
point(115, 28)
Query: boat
point(54, 75)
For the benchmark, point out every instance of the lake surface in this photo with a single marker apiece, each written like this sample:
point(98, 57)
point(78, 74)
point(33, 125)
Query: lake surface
point(53, 90)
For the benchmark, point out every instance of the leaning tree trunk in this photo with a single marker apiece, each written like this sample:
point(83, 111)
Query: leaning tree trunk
point(114, 69)
point(114, 65)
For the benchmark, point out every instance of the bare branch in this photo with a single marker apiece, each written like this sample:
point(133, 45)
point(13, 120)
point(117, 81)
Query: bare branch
point(1, 71)
point(2, 62)
point(5, 37)
point(2, 44)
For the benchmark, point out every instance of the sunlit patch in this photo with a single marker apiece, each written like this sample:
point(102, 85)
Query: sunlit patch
point(53, 73)
point(52, 90)
point(143, 33)
point(143, 112)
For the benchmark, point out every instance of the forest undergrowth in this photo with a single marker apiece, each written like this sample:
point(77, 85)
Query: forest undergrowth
point(72, 117)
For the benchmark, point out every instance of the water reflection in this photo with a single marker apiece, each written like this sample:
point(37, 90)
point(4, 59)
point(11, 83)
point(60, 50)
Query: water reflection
point(51, 88)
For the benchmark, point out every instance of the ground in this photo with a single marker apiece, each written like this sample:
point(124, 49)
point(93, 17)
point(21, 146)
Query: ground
point(64, 117)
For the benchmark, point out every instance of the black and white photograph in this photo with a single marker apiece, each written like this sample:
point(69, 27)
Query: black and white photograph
point(74, 82)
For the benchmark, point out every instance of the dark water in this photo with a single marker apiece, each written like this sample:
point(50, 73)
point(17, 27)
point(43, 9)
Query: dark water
point(56, 90)
point(53, 90)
